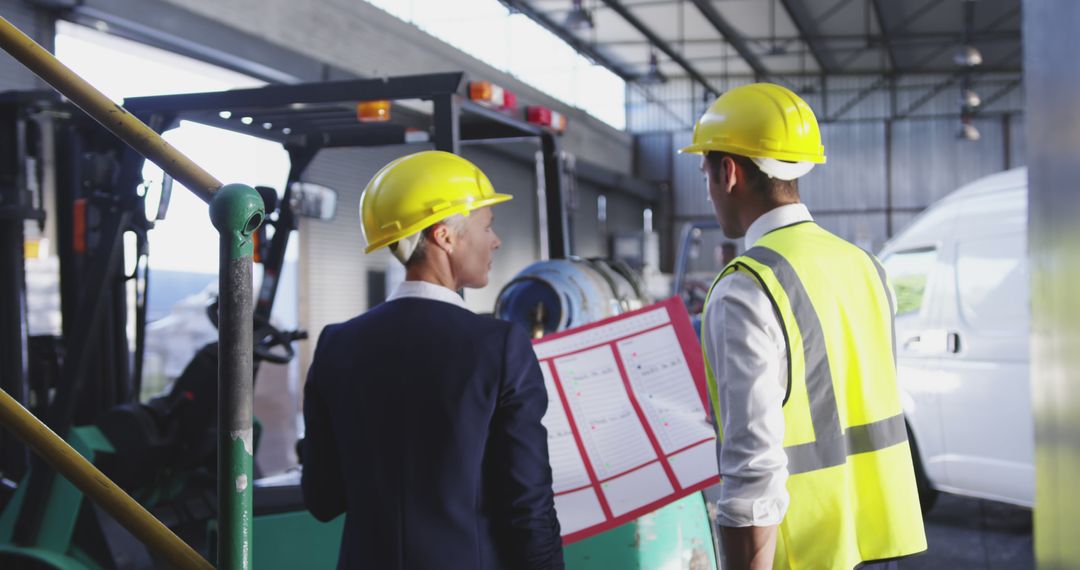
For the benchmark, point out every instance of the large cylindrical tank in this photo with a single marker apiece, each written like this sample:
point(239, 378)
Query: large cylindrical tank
point(555, 295)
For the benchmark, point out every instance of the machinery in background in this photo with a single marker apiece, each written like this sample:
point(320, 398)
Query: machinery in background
point(85, 383)
point(703, 252)
point(555, 295)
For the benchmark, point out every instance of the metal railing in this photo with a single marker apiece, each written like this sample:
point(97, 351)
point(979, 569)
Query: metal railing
point(236, 211)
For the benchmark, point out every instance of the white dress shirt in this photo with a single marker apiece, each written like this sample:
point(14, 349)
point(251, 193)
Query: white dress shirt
point(746, 349)
point(426, 290)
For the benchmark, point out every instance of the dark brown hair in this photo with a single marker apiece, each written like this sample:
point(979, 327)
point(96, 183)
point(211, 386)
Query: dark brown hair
point(772, 189)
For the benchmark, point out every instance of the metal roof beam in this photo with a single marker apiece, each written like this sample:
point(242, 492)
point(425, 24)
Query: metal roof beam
point(930, 94)
point(858, 98)
point(660, 43)
point(831, 11)
point(945, 46)
point(918, 14)
point(886, 36)
point(948, 82)
point(989, 35)
point(731, 35)
point(582, 47)
point(402, 87)
point(1005, 17)
point(999, 94)
point(800, 16)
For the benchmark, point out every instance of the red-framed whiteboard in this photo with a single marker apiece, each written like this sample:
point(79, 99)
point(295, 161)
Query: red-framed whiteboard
point(627, 419)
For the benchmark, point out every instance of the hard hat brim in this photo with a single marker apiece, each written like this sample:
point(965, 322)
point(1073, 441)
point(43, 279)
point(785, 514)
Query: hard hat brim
point(696, 148)
point(439, 216)
point(706, 147)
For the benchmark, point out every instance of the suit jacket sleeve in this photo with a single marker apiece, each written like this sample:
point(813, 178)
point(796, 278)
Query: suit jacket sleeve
point(529, 529)
point(321, 479)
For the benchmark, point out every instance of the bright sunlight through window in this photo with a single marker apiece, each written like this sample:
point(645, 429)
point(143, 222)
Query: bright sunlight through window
point(515, 44)
point(121, 68)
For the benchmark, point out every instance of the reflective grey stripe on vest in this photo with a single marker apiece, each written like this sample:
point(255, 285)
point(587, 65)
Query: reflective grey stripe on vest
point(824, 412)
point(831, 446)
point(820, 454)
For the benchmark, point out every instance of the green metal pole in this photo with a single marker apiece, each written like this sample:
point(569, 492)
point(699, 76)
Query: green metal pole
point(236, 211)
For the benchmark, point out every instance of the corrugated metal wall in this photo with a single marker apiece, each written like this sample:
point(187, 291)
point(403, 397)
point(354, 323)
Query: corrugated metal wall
point(1017, 141)
point(881, 169)
point(675, 105)
point(333, 267)
point(624, 214)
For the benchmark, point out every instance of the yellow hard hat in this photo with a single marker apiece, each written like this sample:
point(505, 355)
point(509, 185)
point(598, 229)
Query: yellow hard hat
point(419, 190)
point(760, 120)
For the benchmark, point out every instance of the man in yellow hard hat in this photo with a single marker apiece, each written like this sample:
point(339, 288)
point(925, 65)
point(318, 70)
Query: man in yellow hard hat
point(423, 418)
point(798, 343)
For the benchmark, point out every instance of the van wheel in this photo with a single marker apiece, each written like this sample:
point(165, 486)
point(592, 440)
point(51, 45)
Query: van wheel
point(927, 494)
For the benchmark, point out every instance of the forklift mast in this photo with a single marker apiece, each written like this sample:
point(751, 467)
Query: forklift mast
point(73, 378)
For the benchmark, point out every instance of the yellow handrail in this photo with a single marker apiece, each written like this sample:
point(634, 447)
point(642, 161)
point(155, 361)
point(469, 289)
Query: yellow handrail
point(13, 416)
point(91, 481)
point(111, 115)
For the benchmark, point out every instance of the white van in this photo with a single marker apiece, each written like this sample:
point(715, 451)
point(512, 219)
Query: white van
point(961, 280)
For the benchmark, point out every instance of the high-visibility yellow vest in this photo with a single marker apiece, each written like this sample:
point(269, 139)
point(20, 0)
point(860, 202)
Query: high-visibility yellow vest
point(851, 480)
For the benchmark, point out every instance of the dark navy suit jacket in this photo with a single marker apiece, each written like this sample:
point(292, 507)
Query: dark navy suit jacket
point(423, 427)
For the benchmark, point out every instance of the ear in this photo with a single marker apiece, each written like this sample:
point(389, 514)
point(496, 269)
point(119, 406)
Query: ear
point(443, 237)
point(731, 173)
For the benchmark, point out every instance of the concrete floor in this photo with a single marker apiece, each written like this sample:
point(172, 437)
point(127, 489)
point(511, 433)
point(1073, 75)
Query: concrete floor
point(975, 534)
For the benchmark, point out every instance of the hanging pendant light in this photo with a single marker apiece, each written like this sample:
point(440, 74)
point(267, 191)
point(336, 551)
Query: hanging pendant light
point(578, 18)
point(653, 76)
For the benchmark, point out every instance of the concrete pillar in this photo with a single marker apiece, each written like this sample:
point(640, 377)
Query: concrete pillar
point(1052, 89)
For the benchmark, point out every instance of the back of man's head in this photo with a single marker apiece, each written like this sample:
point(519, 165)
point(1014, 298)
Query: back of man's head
point(773, 191)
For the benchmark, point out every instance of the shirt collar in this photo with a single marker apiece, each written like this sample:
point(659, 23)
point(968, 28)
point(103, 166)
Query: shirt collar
point(775, 219)
point(426, 290)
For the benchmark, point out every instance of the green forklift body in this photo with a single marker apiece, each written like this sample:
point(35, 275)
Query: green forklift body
point(679, 535)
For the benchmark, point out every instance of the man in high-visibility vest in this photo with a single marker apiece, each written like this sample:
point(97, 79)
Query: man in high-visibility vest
point(798, 343)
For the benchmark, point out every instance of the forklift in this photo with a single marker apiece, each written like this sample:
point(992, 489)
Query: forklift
point(86, 382)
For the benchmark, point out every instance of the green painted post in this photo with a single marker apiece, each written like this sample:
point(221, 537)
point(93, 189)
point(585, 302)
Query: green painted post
point(236, 211)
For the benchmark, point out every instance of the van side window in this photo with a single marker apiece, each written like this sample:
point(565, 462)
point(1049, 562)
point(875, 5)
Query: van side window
point(908, 272)
point(992, 282)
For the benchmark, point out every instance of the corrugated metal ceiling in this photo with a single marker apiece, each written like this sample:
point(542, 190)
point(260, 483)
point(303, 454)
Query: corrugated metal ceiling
point(714, 38)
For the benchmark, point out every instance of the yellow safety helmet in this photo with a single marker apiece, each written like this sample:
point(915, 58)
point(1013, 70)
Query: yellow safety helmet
point(419, 190)
point(760, 120)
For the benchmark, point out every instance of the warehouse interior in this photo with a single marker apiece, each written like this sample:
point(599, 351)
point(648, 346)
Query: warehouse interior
point(578, 109)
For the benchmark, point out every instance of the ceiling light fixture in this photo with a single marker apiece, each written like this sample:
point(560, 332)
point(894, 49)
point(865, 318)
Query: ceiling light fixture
point(968, 131)
point(970, 99)
point(578, 18)
point(968, 56)
point(653, 76)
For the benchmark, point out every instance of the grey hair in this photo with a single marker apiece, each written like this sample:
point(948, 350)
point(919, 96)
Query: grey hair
point(456, 223)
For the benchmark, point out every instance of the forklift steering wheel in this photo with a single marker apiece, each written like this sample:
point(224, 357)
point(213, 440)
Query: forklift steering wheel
point(266, 337)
